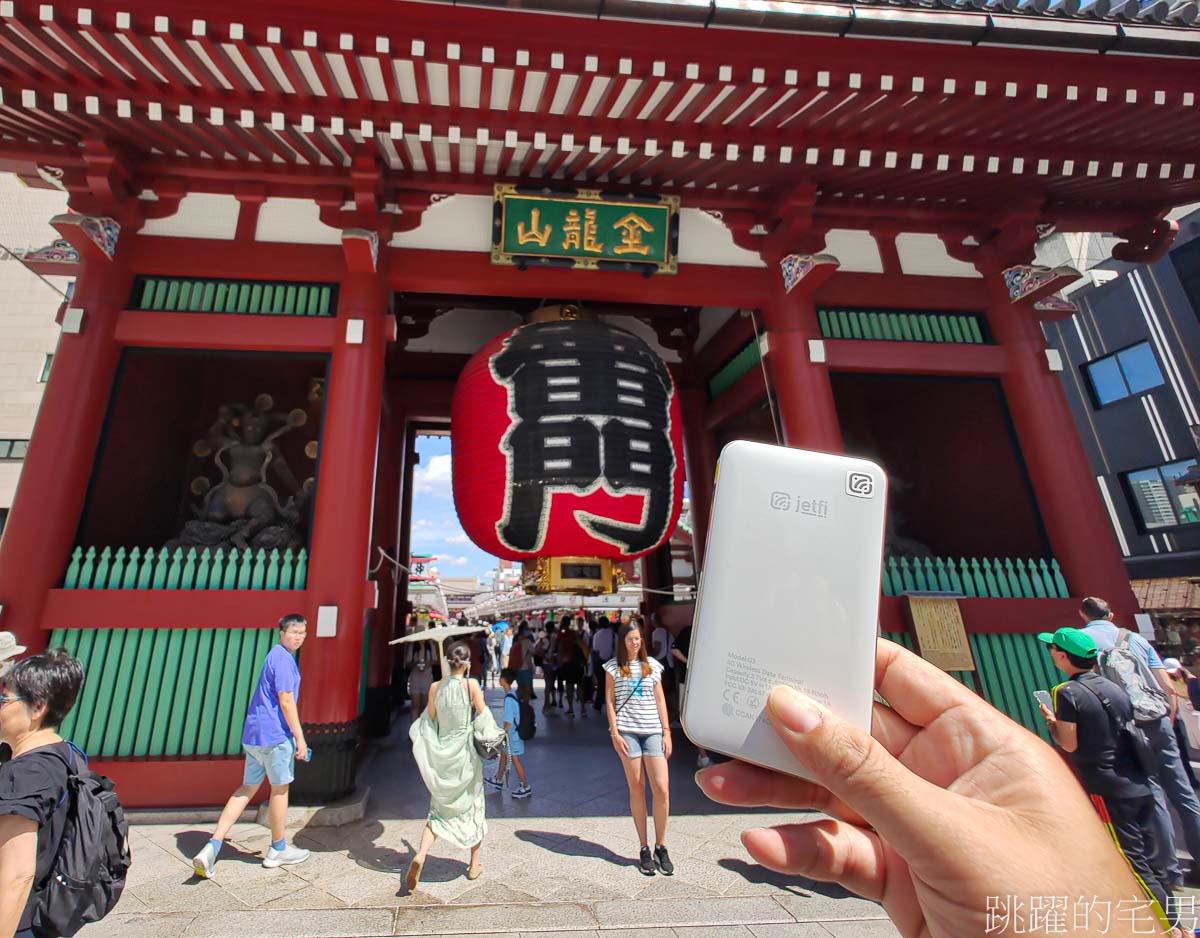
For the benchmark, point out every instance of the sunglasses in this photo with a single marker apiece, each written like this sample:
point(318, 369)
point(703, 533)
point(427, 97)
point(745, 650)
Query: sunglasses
point(5, 698)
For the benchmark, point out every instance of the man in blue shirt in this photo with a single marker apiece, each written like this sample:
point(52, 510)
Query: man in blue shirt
point(272, 739)
point(1172, 782)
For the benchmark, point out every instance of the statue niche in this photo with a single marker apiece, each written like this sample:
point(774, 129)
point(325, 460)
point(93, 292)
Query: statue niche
point(243, 510)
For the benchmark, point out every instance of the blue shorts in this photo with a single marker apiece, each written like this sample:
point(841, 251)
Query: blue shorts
point(275, 763)
point(516, 745)
point(643, 744)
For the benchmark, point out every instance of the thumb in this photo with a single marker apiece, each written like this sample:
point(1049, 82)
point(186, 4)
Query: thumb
point(855, 768)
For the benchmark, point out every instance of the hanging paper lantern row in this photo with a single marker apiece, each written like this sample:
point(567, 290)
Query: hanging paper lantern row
point(567, 441)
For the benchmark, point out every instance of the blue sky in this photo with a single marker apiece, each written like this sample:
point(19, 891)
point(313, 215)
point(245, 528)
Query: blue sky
point(435, 524)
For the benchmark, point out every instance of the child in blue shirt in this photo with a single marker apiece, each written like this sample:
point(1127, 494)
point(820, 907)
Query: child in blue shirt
point(516, 745)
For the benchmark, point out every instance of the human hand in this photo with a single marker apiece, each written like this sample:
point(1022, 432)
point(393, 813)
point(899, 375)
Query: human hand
point(301, 750)
point(619, 744)
point(1047, 715)
point(667, 744)
point(947, 804)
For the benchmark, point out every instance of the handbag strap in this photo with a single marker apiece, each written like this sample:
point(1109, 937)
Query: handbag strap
point(628, 697)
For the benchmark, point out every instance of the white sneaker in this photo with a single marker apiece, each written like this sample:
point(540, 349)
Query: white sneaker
point(205, 862)
point(523, 792)
point(495, 783)
point(288, 856)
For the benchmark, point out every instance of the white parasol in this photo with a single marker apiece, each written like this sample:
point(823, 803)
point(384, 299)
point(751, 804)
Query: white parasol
point(440, 634)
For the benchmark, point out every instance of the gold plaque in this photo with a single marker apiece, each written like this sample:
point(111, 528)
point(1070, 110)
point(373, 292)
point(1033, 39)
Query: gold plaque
point(941, 634)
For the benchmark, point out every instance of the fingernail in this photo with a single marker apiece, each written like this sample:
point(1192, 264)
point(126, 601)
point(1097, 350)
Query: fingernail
point(709, 776)
point(796, 711)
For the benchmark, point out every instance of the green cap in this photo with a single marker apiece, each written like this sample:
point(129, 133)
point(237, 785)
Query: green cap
point(1073, 641)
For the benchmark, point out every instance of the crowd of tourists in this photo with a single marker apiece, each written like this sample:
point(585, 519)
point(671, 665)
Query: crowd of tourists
point(1010, 819)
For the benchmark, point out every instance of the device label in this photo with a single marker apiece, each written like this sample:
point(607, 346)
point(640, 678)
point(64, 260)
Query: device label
point(747, 685)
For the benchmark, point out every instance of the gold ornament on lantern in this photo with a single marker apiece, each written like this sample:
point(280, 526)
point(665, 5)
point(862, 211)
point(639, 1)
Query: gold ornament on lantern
point(310, 449)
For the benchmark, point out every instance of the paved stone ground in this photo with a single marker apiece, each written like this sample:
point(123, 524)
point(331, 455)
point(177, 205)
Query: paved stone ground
point(560, 862)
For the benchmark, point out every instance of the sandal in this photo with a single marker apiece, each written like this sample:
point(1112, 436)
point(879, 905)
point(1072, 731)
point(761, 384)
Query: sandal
point(413, 876)
point(474, 872)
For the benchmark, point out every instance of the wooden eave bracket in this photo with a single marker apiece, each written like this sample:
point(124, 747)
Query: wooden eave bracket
point(1146, 242)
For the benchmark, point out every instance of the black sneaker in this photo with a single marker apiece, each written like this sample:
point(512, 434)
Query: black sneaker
point(663, 859)
point(646, 863)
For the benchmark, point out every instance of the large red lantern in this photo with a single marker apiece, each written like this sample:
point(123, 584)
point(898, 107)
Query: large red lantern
point(567, 441)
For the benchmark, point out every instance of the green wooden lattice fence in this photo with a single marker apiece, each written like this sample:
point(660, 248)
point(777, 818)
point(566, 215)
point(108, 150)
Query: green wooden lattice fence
point(729, 373)
point(163, 692)
point(999, 578)
point(901, 326)
point(1009, 667)
point(193, 570)
point(253, 297)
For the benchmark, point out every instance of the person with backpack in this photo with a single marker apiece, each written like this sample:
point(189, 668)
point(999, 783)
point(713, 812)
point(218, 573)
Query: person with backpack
point(1130, 661)
point(520, 726)
point(36, 694)
point(272, 740)
point(1092, 722)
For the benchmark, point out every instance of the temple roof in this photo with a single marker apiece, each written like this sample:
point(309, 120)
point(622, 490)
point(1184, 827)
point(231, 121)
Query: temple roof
point(947, 108)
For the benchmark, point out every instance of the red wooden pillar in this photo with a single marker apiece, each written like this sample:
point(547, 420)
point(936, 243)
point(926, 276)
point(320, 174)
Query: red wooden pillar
point(701, 457)
point(331, 663)
point(1076, 522)
point(804, 396)
point(40, 531)
point(385, 534)
point(411, 458)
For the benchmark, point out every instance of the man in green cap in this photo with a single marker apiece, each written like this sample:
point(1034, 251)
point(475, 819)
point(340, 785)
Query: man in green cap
point(1088, 723)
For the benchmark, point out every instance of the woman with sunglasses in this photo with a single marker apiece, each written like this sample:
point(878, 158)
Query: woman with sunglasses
point(641, 735)
point(36, 695)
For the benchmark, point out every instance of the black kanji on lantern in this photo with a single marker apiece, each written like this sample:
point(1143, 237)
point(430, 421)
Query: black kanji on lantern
point(589, 407)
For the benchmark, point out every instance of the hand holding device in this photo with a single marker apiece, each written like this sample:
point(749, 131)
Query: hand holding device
point(962, 818)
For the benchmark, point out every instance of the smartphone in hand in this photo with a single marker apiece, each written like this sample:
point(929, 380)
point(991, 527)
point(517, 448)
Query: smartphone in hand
point(789, 594)
point(1043, 697)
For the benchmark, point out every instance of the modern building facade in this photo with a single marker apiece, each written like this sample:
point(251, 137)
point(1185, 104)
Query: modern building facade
point(1131, 371)
point(29, 305)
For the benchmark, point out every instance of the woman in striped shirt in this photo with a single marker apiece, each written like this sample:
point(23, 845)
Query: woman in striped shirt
point(641, 735)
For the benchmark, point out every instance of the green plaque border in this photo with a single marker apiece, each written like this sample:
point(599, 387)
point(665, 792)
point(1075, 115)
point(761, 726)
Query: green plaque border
point(502, 190)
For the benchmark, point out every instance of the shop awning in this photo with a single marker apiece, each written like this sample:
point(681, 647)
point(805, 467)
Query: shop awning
point(1179, 595)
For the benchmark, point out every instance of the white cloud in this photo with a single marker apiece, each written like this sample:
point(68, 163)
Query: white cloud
point(433, 479)
point(459, 538)
point(458, 561)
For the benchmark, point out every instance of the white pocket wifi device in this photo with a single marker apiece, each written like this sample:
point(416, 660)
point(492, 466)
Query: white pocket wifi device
point(789, 594)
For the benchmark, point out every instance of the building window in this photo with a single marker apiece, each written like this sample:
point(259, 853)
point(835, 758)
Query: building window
point(1128, 372)
point(1163, 501)
point(13, 449)
point(45, 369)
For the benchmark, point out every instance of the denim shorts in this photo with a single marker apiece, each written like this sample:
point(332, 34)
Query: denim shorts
point(643, 744)
point(275, 763)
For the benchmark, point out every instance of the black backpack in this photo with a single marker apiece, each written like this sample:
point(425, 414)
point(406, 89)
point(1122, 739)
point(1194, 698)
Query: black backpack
point(88, 873)
point(526, 722)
